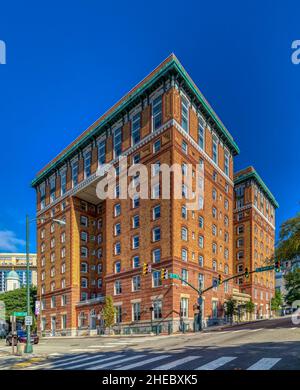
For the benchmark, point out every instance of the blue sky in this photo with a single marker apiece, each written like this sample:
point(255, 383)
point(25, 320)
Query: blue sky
point(68, 62)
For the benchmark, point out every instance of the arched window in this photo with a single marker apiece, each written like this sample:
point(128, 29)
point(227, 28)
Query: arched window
point(226, 269)
point(84, 267)
point(214, 265)
point(184, 233)
point(84, 282)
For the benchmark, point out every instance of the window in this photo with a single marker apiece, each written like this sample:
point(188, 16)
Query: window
point(184, 276)
point(84, 221)
point(240, 255)
point(156, 255)
point(52, 286)
point(63, 268)
point(226, 221)
point(117, 248)
point(200, 281)
point(136, 311)
point(156, 235)
point(87, 164)
point(135, 129)
point(53, 302)
point(101, 152)
point(240, 268)
point(226, 204)
point(156, 146)
point(226, 163)
point(184, 212)
point(136, 201)
point(135, 242)
point(118, 314)
point(214, 309)
point(117, 267)
point(184, 303)
point(214, 194)
point(214, 230)
point(214, 212)
point(155, 191)
point(214, 248)
point(84, 282)
point(157, 309)
point(84, 267)
point(117, 210)
point(215, 149)
point(136, 158)
point(84, 252)
point(201, 127)
point(156, 279)
point(117, 229)
point(63, 237)
point(136, 261)
point(99, 268)
point(155, 168)
point(136, 283)
point(52, 189)
point(215, 176)
point(214, 265)
point(184, 147)
point(135, 221)
point(156, 113)
point(63, 300)
point(184, 254)
point(63, 182)
point(52, 243)
point(226, 253)
point(117, 142)
point(84, 236)
point(156, 212)
point(185, 114)
point(240, 242)
point(200, 260)
point(184, 234)
point(118, 287)
point(43, 261)
point(201, 241)
point(240, 229)
point(200, 222)
point(43, 195)
point(52, 272)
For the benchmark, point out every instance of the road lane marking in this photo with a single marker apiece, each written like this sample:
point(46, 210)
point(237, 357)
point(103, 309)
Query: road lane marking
point(216, 363)
point(176, 363)
point(54, 367)
point(126, 359)
point(142, 363)
point(97, 361)
point(264, 364)
point(73, 358)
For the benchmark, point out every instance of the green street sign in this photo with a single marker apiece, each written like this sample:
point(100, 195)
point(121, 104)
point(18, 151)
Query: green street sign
point(267, 268)
point(173, 276)
point(19, 314)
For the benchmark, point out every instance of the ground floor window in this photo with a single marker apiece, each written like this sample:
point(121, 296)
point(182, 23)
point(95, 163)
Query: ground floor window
point(157, 309)
point(64, 321)
point(136, 311)
point(118, 315)
point(184, 304)
point(215, 309)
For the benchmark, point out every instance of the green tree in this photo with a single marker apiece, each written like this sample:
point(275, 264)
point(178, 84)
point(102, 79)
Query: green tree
point(292, 285)
point(16, 300)
point(249, 306)
point(231, 308)
point(108, 312)
point(288, 246)
point(277, 300)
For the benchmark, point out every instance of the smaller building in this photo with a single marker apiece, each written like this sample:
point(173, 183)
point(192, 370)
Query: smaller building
point(13, 272)
point(287, 266)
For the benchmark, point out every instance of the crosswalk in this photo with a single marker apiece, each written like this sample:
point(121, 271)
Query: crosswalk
point(155, 361)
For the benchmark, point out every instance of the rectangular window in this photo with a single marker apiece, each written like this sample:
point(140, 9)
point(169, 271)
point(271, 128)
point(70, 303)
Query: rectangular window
point(63, 182)
point(117, 142)
point(135, 221)
point(156, 234)
point(156, 212)
point(87, 164)
point(200, 281)
point(184, 276)
point(135, 242)
point(215, 150)
point(156, 146)
point(226, 163)
point(136, 311)
point(185, 114)
point(136, 283)
point(136, 261)
point(157, 309)
point(135, 129)
point(156, 255)
point(118, 314)
point(156, 113)
point(201, 127)
point(101, 152)
point(184, 147)
point(156, 279)
point(75, 174)
point(52, 189)
point(118, 287)
point(184, 302)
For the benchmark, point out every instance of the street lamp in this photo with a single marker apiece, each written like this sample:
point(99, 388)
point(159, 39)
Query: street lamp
point(28, 347)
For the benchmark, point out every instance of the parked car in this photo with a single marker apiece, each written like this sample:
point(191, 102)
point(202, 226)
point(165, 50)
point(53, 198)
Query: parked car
point(22, 337)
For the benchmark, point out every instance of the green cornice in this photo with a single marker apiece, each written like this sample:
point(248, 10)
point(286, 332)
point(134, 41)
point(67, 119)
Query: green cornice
point(171, 63)
point(254, 175)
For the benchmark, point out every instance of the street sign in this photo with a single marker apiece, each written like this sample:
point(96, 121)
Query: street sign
point(173, 276)
point(28, 320)
point(20, 313)
point(262, 269)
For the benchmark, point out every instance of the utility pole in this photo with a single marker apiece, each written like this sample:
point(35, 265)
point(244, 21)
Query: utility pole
point(28, 348)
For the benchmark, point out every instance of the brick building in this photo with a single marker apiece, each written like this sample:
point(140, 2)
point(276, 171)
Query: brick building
point(254, 237)
point(104, 243)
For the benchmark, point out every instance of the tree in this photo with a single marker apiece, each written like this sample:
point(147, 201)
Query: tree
point(292, 285)
point(288, 246)
point(230, 308)
point(16, 300)
point(249, 306)
point(277, 300)
point(108, 312)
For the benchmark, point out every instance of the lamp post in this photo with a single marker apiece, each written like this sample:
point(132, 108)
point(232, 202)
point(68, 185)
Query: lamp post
point(28, 347)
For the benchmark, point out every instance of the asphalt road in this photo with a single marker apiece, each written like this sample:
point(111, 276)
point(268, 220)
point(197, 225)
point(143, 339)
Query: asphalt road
point(264, 345)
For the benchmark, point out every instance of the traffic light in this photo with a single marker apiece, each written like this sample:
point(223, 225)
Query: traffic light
point(246, 273)
point(164, 273)
point(277, 266)
point(220, 279)
point(146, 268)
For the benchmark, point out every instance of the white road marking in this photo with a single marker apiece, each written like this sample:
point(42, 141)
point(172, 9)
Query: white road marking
point(142, 363)
point(264, 364)
point(59, 361)
point(216, 363)
point(126, 359)
point(176, 363)
point(96, 361)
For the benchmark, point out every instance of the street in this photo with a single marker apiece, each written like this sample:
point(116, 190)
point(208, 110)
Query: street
point(263, 345)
